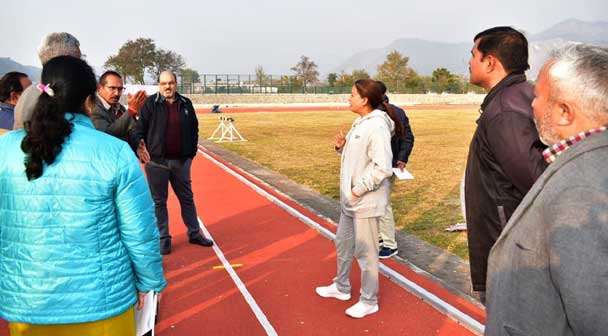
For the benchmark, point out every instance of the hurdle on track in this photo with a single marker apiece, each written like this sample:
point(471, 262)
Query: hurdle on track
point(226, 131)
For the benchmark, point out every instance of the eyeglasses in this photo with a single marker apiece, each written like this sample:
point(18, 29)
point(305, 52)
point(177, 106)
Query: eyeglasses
point(115, 88)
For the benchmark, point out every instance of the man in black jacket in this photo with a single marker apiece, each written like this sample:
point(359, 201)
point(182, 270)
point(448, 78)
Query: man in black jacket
point(401, 148)
point(168, 126)
point(505, 155)
point(109, 115)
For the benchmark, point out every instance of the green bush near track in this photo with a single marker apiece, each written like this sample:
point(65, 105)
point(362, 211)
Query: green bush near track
point(300, 145)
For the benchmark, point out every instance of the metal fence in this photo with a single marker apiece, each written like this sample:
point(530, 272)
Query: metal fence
point(252, 84)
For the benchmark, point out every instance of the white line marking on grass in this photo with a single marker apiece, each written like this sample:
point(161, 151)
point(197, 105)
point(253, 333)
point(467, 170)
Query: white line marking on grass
point(436, 302)
point(240, 285)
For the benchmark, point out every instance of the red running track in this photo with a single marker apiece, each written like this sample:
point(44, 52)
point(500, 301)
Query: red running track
point(279, 260)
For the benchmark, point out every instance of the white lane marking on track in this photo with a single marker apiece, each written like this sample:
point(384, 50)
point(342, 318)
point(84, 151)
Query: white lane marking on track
point(414, 288)
point(239, 284)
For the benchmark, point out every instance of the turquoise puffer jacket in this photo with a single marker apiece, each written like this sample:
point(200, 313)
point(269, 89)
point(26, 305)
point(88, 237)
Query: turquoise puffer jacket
point(76, 243)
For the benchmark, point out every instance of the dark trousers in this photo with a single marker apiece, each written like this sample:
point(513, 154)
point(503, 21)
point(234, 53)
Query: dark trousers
point(176, 172)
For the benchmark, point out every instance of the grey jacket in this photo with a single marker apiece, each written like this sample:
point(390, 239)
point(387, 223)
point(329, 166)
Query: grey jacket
point(105, 121)
point(548, 271)
point(25, 106)
point(366, 164)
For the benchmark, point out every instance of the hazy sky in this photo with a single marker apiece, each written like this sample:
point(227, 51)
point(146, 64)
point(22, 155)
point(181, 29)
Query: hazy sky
point(233, 36)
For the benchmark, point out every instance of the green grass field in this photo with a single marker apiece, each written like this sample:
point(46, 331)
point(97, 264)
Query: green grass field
point(300, 145)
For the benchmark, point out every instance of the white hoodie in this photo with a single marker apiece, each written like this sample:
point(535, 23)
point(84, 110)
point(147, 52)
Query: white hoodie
point(366, 163)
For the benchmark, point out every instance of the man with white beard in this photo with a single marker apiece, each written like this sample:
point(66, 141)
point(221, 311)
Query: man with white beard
point(547, 270)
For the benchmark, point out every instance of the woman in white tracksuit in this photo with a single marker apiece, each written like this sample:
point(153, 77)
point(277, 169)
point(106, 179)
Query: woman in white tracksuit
point(364, 194)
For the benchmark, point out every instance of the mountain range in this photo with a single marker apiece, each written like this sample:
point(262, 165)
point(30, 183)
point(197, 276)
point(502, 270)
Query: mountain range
point(7, 65)
point(426, 56)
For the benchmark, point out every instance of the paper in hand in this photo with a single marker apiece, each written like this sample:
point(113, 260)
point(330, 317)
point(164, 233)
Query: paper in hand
point(144, 318)
point(403, 175)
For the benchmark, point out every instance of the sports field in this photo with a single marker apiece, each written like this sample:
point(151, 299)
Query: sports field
point(300, 144)
point(259, 278)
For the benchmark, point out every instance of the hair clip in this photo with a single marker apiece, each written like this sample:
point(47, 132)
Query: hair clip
point(46, 89)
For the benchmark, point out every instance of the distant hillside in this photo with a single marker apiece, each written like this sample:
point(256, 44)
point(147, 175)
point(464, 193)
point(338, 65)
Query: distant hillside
point(8, 65)
point(576, 30)
point(426, 56)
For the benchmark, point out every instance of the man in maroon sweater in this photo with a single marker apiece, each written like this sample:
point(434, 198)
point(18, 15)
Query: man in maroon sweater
point(168, 126)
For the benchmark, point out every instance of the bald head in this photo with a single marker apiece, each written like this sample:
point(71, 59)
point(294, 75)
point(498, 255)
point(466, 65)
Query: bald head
point(167, 73)
point(167, 83)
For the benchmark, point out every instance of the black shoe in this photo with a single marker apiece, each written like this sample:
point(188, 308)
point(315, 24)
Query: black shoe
point(200, 240)
point(386, 252)
point(165, 246)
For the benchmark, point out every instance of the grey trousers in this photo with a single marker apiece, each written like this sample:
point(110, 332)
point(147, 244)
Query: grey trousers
point(358, 237)
point(387, 223)
point(176, 172)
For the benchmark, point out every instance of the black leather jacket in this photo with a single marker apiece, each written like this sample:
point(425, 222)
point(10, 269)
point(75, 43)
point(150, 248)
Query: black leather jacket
point(505, 159)
point(152, 126)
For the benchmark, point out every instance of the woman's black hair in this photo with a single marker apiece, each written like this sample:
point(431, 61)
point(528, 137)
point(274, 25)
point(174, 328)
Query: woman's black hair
point(370, 89)
point(71, 80)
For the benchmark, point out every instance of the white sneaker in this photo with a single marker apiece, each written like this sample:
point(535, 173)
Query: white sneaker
point(332, 291)
point(361, 309)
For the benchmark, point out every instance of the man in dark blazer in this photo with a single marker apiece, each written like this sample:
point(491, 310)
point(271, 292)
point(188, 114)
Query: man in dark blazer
point(548, 271)
point(109, 115)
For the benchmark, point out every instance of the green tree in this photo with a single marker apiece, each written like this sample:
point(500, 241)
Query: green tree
point(188, 76)
point(332, 78)
point(164, 60)
point(394, 72)
point(260, 76)
point(458, 84)
point(468, 87)
point(444, 81)
point(423, 84)
point(133, 58)
point(289, 84)
point(360, 74)
point(345, 80)
point(306, 71)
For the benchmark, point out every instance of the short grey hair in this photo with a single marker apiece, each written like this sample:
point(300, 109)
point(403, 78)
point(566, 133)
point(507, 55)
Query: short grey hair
point(58, 44)
point(581, 71)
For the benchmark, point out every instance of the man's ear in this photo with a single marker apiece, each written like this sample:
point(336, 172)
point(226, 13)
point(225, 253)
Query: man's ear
point(14, 97)
point(566, 113)
point(490, 63)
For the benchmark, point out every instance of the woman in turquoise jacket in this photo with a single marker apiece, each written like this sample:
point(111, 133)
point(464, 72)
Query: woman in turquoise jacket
point(78, 236)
